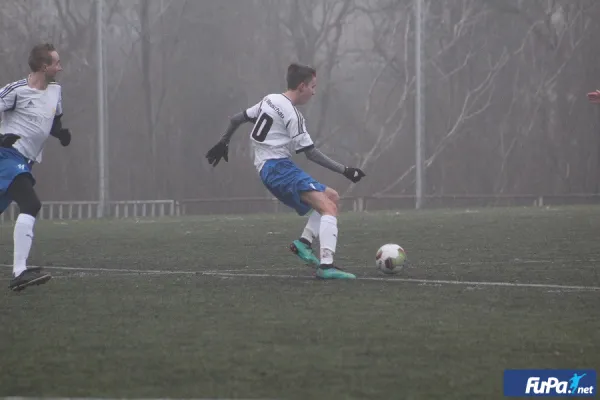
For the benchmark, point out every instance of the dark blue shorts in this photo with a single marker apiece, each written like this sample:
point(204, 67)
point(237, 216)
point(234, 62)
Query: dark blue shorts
point(12, 164)
point(286, 182)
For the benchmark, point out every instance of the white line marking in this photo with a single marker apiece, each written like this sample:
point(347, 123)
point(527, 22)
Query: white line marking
point(92, 275)
point(139, 271)
point(164, 272)
point(422, 281)
point(517, 262)
point(377, 279)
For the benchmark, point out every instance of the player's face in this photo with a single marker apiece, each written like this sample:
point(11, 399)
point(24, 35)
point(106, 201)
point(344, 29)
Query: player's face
point(54, 68)
point(306, 91)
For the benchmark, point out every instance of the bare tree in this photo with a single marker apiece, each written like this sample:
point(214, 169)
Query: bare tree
point(505, 84)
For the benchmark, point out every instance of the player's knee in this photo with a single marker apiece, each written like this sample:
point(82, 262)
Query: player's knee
point(329, 207)
point(22, 192)
point(333, 195)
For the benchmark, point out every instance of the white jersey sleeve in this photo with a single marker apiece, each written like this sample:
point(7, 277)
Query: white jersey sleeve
point(8, 95)
point(296, 126)
point(253, 112)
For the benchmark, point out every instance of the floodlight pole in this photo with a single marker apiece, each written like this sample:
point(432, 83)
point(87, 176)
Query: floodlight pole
point(103, 175)
point(419, 181)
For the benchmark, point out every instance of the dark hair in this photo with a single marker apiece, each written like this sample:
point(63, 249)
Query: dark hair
point(298, 73)
point(40, 55)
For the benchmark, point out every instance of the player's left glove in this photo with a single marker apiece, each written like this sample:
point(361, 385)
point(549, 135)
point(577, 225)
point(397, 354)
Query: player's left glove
point(354, 174)
point(220, 150)
point(8, 139)
point(64, 135)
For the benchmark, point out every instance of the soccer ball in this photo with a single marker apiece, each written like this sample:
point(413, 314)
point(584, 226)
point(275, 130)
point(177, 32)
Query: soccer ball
point(390, 258)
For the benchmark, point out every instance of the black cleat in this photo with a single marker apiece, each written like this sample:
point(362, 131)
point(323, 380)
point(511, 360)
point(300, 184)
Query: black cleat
point(29, 277)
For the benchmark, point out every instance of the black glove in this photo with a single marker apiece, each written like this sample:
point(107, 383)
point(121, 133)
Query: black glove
point(354, 174)
point(64, 135)
point(220, 150)
point(8, 139)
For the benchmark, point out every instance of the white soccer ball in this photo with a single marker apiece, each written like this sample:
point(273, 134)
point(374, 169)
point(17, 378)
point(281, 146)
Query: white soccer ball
point(390, 258)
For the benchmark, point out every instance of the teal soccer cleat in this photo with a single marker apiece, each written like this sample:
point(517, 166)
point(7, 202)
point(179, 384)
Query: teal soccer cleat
point(329, 271)
point(304, 251)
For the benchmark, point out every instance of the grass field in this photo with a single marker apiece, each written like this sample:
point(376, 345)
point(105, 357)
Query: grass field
point(216, 307)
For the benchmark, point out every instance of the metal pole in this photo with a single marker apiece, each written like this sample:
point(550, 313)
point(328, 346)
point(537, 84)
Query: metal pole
point(105, 140)
point(101, 115)
point(418, 109)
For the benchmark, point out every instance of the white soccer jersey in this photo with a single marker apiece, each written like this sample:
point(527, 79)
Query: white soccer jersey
point(279, 129)
point(29, 113)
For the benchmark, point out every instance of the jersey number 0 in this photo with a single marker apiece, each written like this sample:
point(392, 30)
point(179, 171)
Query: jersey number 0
point(262, 127)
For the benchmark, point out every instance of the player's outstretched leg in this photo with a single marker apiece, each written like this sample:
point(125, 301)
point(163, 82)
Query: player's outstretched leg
point(323, 203)
point(21, 191)
point(303, 247)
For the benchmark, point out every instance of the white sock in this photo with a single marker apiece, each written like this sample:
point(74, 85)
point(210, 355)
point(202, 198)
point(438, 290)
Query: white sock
point(311, 231)
point(328, 233)
point(23, 238)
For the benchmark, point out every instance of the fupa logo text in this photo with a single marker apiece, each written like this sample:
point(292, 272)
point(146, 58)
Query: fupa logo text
point(548, 382)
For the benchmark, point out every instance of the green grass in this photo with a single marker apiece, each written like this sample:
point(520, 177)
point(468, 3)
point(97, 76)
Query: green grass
point(286, 335)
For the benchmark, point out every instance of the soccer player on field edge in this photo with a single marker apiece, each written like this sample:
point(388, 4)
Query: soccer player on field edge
point(32, 109)
point(280, 129)
point(594, 97)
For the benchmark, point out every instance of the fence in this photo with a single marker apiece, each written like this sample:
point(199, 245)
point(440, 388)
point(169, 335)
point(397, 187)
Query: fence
point(57, 210)
point(61, 210)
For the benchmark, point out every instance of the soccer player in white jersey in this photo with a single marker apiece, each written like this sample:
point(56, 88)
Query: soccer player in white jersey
point(31, 111)
point(279, 131)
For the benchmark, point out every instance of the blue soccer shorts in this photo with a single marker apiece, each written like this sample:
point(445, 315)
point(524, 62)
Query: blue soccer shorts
point(287, 182)
point(12, 164)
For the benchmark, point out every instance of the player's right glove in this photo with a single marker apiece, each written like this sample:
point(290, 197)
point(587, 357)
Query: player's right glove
point(354, 174)
point(220, 150)
point(8, 139)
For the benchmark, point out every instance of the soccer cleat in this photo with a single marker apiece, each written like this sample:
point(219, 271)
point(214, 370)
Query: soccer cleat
point(304, 251)
point(330, 271)
point(29, 277)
